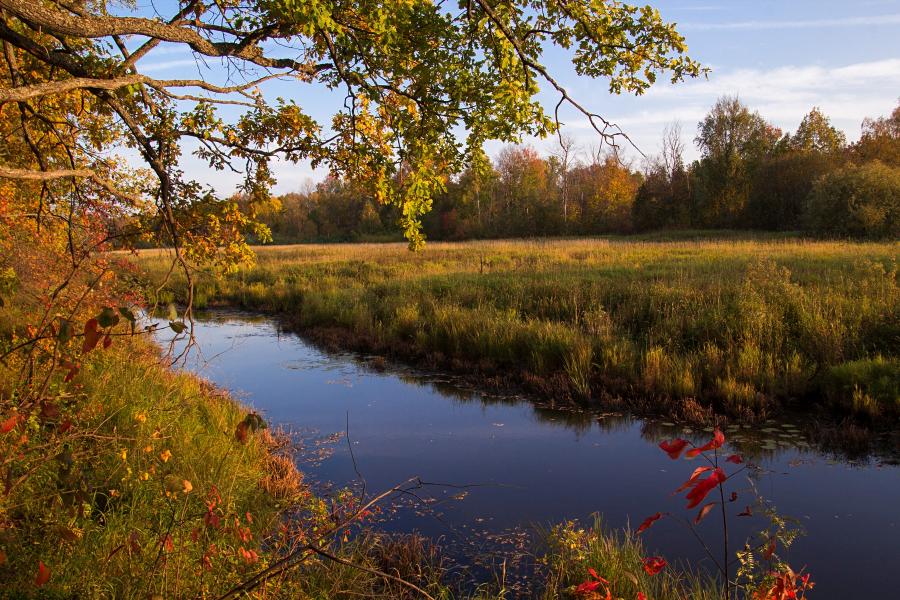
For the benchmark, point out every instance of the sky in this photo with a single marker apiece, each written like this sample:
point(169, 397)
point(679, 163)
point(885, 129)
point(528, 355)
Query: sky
point(780, 57)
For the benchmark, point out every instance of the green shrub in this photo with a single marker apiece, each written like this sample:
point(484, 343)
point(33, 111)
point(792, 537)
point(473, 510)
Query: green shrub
point(867, 386)
point(857, 201)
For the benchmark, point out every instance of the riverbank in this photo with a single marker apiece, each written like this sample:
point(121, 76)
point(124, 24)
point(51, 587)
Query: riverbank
point(143, 480)
point(686, 328)
point(149, 487)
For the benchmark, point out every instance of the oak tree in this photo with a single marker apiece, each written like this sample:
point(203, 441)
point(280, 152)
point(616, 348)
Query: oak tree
point(425, 84)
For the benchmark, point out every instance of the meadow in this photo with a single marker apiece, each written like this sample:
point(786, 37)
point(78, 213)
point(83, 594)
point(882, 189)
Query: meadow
point(679, 323)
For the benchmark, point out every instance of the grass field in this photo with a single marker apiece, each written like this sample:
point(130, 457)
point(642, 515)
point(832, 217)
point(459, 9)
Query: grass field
point(670, 323)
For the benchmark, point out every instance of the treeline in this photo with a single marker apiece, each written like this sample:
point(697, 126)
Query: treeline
point(750, 175)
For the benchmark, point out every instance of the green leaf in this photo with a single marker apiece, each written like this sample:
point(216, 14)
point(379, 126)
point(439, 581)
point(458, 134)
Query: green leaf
point(254, 422)
point(173, 312)
point(107, 318)
point(177, 326)
point(127, 314)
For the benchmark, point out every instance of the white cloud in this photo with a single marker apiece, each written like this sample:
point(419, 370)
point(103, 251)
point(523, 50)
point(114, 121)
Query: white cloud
point(782, 95)
point(893, 19)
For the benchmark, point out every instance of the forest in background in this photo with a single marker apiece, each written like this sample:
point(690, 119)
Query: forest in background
point(750, 175)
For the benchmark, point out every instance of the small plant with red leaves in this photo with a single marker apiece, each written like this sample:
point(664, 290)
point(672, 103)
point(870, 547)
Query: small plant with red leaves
point(759, 572)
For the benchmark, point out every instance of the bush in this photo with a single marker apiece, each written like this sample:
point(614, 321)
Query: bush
point(866, 386)
point(857, 201)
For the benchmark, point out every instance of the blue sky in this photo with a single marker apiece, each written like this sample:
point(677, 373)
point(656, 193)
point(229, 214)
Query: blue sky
point(781, 57)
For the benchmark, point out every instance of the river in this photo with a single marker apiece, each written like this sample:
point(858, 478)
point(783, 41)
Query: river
point(503, 467)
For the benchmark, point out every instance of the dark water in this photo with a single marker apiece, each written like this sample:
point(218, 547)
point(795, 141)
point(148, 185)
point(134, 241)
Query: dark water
point(534, 466)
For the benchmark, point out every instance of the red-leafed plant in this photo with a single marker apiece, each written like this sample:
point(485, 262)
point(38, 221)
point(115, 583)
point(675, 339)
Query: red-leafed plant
point(758, 572)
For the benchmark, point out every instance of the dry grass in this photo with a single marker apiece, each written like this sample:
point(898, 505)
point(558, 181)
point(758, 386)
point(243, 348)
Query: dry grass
point(742, 324)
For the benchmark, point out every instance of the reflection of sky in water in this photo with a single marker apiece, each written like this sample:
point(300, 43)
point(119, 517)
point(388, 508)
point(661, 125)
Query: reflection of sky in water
point(539, 466)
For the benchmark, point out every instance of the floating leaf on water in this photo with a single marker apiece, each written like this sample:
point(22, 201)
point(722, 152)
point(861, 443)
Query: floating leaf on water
point(667, 424)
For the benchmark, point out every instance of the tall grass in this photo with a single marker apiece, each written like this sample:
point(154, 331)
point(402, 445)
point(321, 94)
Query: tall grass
point(616, 556)
point(741, 324)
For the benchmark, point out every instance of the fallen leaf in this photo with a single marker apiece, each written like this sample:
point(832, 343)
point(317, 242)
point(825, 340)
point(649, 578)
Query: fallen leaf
point(43, 575)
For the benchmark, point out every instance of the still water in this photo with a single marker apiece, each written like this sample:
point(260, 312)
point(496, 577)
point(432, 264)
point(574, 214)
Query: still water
point(505, 466)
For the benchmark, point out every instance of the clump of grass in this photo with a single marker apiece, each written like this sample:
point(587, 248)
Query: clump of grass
point(739, 323)
point(616, 556)
point(870, 387)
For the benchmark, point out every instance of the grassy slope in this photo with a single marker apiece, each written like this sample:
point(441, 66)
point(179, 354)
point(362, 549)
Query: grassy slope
point(741, 323)
point(131, 413)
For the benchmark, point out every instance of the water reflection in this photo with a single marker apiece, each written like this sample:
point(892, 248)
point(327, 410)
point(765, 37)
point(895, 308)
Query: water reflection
point(534, 464)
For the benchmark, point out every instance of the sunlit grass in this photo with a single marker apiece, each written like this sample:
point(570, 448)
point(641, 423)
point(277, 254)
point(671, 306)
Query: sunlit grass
point(740, 323)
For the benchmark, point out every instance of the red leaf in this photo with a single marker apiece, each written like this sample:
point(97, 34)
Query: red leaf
point(43, 575)
point(735, 458)
point(717, 442)
point(704, 487)
point(733, 497)
point(703, 512)
point(65, 426)
point(91, 336)
point(648, 522)
point(693, 480)
point(249, 556)
point(654, 564)
point(590, 587)
point(9, 424)
point(107, 341)
point(641, 596)
point(770, 549)
point(597, 577)
point(673, 448)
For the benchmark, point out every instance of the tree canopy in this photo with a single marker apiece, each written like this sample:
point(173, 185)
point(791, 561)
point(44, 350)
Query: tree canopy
point(424, 83)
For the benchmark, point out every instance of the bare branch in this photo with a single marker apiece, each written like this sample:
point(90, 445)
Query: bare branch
point(89, 26)
point(30, 175)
